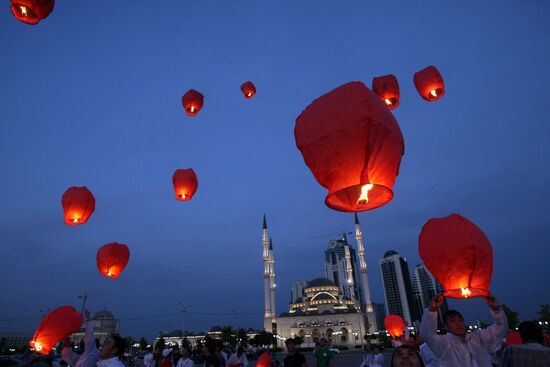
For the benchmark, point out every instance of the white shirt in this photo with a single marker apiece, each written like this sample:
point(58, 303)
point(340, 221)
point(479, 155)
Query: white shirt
point(188, 362)
point(377, 360)
point(242, 360)
point(149, 360)
point(111, 362)
point(91, 353)
point(428, 357)
point(451, 351)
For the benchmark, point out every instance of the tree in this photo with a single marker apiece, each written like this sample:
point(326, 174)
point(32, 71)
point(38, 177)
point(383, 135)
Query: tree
point(143, 343)
point(264, 338)
point(227, 336)
point(242, 338)
point(544, 312)
point(512, 316)
point(298, 341)
point(161, 344)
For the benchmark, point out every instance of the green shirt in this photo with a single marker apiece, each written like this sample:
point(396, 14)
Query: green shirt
point(323, 357)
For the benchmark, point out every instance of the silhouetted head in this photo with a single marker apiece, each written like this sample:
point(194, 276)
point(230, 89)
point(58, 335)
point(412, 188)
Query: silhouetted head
point(530, 332)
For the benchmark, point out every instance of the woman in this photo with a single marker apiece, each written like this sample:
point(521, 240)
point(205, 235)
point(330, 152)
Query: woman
point(405, 355)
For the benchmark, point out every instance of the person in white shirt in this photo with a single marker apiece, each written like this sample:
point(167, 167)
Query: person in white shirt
point(91, 353)
point(185, 361)
point(457, 347)
point(111, 350)
point(149, 359)
point(367, 357)
point(377, 359)
point(428, 357)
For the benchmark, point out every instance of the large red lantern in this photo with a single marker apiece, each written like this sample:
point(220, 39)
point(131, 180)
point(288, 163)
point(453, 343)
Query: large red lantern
point(387, 88)
point(353, 145)
point(248, 89)
point(112, 259)
point(78, 204)
point(429, 83)
point(394, 325)
point(458, 254)
point(185, 184)
point(192, 102)
point(264, 360)
point(57, 325)
point(31, 11)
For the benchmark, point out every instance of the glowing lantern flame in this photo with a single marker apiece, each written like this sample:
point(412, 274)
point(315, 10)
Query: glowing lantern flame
point(364, 198)
point(182, 196)
point(388, 101)
point(24, 12)
point(434, 92)
point(192, 109)
point(75, 220)
point(465, 292)
point(37, 346)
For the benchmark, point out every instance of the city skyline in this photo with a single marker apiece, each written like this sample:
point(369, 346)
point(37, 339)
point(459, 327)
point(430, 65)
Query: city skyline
point(93, 97)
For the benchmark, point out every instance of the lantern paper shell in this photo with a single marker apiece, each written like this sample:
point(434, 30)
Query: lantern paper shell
point(513, 338)
point(264, 360)
point(387, 88)
point(112, 259)
point(78, 204)
point(429, 83)
point(192, 102)
point(57, 325)
point(394, 325)
point(31, 11)
point(353, 145)
point(185, 184)
point(458, 254)
point(248, 89)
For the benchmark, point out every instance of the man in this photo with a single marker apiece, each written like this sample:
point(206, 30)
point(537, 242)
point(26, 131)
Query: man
point(323, 357)
point(185, 361)
point(458, 348)
point(91, 353)
point(293, 358)
point(111, 350)
point(531, 353)
point(149, 358)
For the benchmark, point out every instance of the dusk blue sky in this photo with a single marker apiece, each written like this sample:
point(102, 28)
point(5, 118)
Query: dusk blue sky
point(92, 96)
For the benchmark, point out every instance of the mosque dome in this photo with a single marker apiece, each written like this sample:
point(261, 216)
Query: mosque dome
point(320, 282)
point(104, 315)
point(390, 253)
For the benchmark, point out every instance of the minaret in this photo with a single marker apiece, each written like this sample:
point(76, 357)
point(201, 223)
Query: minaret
point(349, 274)
point(267, 296)
point(272, 284)
point(371, 315)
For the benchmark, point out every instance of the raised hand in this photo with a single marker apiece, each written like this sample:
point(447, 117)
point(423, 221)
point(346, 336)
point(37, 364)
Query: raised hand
point(492, 302)
point(436, 302)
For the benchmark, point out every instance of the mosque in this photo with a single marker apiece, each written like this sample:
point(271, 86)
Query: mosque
point(336, 307)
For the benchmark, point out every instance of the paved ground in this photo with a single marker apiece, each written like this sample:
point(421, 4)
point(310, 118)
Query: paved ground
point(344, 359)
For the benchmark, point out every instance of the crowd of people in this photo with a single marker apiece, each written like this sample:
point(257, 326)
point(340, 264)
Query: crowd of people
point(456, 347)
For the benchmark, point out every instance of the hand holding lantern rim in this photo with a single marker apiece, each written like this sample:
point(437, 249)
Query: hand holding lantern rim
point(492, 302)
point(436, 302)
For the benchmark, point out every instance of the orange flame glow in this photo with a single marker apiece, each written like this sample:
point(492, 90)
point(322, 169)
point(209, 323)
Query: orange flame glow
point(37, 346)
point(433, 92)
point(465, 292)
point(23, 10)
point(364, 198)
point(388, 101)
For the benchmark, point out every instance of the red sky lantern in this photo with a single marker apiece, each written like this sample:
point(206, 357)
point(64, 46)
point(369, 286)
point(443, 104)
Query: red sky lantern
point(248, 89)
point(31, 11)
point(513, 338)
point(185, 184)
point(78, 204)
point(264, 360)
point(458, 254)
point(112, 259)
point(353, 145)
point(192, 102)
point(394, 325)
point(57, 325)
point(429, 83)
point(387, 88)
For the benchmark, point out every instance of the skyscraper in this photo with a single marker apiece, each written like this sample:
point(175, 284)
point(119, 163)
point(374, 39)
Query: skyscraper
point(397, 286)
point(425, 286)
point(297, 290)
point(340, 267)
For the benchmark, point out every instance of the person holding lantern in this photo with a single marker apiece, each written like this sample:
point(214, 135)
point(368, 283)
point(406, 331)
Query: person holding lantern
point(457, 347)
point(91, 353)
point(111, 351)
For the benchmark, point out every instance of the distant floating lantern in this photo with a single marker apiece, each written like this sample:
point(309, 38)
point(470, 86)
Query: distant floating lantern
point(185, 184)
point(112, 259)
point(429, 83)
point(394, 325)
point(248, 89)
point(78, 204)
point(458, 254)
point(31, 11)
point(192, 102)
point(353, 145)
point(56, 325)
point(387, 88)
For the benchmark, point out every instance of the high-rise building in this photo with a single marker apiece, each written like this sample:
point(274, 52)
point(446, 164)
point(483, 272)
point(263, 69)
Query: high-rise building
point(297, 290)
point(380, 312)
point(341, 268)
point(396, 282)
point(425, 286)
